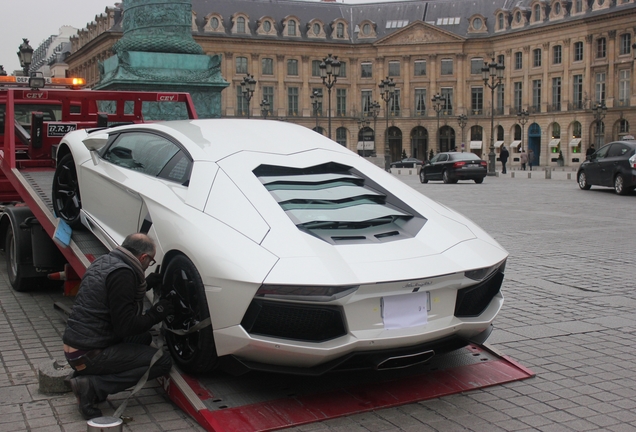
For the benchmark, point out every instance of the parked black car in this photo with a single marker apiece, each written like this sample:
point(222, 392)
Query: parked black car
point(613, 165)
point(407, 163)
point(453, 166)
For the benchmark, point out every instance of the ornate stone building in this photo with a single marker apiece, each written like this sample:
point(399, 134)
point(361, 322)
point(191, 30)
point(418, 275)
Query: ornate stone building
point(561, 58)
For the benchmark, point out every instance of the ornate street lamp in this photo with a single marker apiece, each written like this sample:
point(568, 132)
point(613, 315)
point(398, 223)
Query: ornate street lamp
point(374, 110)
point(265, 108)
point(523, 119)
point(462, 119)
point(387, 91)
point(25, 54)
point(599, 110)
point(437, 106)
point(329, 72)
point(248, 85)
point(362, 124)
point(316, 103)
point(492, 72)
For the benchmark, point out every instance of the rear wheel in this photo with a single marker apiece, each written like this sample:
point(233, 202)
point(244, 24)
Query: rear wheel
point(194, 352)
point(423, 178)
point(479, 180)
point(619, 185)
point(16, 279)
point(583, 184)
point(446, 177)
point(66, 195)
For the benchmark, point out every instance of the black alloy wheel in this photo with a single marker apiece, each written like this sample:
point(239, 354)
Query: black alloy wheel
point(66, 195)
point(194, 352)
point(582, 180)
point(423, 178)
point(619, 185)
point(446, 177)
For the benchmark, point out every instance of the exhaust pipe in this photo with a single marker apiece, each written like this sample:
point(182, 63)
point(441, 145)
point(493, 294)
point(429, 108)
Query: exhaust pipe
point(404, 361)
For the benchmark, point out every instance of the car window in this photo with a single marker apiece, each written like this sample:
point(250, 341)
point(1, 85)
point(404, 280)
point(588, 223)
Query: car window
point(443, 157)
point(465, 156)
point(435, 158)
point(617, 150)
point(602, 152)
point(177, 169)
point(141, 151)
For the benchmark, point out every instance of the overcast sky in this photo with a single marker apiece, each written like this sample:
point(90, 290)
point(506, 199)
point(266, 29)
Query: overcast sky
point(36, 20)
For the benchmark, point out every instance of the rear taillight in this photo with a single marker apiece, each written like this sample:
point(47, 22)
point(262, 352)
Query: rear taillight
point(459, 164)
point(483, 163)
point(632, 161)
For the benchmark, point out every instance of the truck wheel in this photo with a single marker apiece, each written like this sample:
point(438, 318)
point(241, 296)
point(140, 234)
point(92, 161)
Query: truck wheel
point(194, 352)
point(66, 195)
point(14, 272)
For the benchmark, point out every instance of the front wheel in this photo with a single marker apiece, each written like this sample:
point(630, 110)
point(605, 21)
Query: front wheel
point(66, 194)
point(619, 185)
point(194, 352)
point(583, 184)
point(423, 178)
point(14, 272)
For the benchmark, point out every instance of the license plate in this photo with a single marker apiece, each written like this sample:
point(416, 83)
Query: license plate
point(406, 310)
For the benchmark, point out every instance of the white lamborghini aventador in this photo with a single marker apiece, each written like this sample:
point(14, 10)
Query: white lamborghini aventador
point(305, 257)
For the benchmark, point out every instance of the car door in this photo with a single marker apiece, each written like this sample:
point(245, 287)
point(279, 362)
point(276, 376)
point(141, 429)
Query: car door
point(438, 166)
point(113, 190)
point(593, 168)
point(610, 165)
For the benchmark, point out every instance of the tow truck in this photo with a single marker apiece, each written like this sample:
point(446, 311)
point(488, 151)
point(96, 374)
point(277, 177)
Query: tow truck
point(34, 116)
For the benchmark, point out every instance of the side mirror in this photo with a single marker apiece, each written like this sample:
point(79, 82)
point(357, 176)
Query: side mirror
point(96, 141)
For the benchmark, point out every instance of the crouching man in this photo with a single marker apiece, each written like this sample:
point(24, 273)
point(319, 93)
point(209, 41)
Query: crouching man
point(107, 338)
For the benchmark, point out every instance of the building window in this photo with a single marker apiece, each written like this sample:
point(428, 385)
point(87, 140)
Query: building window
point(477, 100)
point(518, 16)
point(267, 26)
point(518, 96)
point(420, 102)
point(536, 15)
point(268, 66)
point(601, 48)
point(578, 51)
point(343, 70)
point(214, 23)
point(419, 68)
point(556, 54)
point(366, 70)
point(291, 28)
point(557, 8)
point(367, 95)
point(341, 136)
point(500, 99)
point(501, 59)
point(556, 94)
point(292, 67)
point(447, 66)
point(394, 104)
point(316, 29)
point(477, 23)
point(240, 25)
point(476, 64)
point(292, 101)
point(536, 95)
point(518, 60)
point(241, 65)
point(341, 102)
point(315, 68)
point(447, 98)
point(241, 103)
point(268, 95)
point(624, 84)
point(366, 29)
point(600, 87)
point(500, 21)
point(536, 57)
point(626, 44)
point(577, 91)
point(623, 126)
point(340, 31)
point(578, 6)
point(394, 69)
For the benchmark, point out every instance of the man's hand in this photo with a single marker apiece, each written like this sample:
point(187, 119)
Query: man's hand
point(153, 280)
point(162, 309)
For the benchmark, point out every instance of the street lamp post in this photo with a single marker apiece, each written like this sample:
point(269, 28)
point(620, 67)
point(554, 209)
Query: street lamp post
point(363, 123)
point(316, 101)
point(494, 72)
point(523, 119)
point(462, 119)
point(329, 72)
point(248, 85)
point(374, 110)
point(387, 91)
point(25, 54)
point(437, 106)
point(264, 108)
point(599, 110)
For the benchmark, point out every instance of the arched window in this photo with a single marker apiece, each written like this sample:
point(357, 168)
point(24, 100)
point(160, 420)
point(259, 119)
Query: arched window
point(340, 31)
point(500, 21)
point(291, 28)
point(240, 25)
point(537, 13)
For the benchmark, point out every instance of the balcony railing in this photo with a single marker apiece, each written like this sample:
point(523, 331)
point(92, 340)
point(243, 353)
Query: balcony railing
point(576, 106)
point(554, 107)
point(533, 109)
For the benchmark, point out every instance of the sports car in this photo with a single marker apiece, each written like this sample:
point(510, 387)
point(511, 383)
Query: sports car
point(283, 250)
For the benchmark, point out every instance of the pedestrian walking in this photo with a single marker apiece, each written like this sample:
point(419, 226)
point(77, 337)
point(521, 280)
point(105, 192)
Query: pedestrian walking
point(530, 158)
point(523, 157)
point(590, 151)
point(503, 157)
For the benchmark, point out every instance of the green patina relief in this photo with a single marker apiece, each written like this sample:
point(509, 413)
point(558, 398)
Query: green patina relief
point(158, 53)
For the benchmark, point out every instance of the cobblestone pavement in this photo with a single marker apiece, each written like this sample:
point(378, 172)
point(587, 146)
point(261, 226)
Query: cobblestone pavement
point(568, 316)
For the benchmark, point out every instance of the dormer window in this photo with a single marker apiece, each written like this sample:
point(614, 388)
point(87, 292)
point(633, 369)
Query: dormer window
point(366, 29)
point(478, 23)
point(500, 21)
point(267, 26)
point(291, 28)
point(316, 29)
point(214, 23)
point(240, 25)
point(518, 17)
point(537, 13)
point(557, 8)
point(340, 30)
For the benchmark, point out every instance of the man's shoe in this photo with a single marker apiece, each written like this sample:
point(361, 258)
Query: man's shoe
point(85, 395)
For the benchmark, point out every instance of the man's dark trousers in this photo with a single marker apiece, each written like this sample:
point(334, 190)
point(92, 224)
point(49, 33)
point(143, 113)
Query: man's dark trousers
point(120, 366)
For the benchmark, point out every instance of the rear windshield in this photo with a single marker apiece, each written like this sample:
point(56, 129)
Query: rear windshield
point(464, 156)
